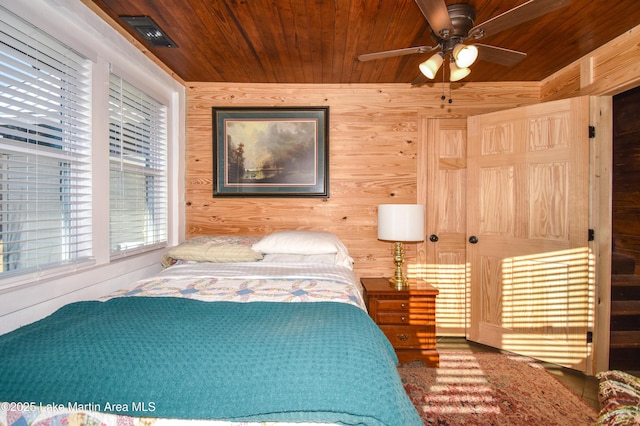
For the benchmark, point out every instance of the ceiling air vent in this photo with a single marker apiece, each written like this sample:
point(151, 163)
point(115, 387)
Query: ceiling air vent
point(149, 30)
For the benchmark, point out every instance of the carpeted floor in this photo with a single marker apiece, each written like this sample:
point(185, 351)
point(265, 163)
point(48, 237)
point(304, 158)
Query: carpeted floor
point(491, 389)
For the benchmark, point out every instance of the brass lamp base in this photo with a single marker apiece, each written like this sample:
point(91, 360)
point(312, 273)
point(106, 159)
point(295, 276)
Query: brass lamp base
point(399, 280)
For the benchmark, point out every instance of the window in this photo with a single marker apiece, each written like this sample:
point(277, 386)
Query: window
point(138, 164)
point(45, 176)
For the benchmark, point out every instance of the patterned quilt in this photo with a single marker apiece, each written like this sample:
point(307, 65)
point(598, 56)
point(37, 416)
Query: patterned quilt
point(252, 282)
point(251, 364)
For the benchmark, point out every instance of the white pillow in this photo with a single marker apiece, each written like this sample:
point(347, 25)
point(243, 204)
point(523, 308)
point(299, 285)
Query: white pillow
point(304, 242)
point(298, 242)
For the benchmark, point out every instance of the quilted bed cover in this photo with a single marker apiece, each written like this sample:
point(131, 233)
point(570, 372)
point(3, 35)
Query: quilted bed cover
point(208, 356)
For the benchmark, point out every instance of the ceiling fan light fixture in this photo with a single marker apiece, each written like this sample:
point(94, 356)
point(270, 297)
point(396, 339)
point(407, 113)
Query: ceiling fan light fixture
point(457, 73)
point(431, 66)
point(465, 55)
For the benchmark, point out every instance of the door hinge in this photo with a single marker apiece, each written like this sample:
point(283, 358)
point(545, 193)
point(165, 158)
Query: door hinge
point(589, 336)
point(592, 235)
point(592, 132)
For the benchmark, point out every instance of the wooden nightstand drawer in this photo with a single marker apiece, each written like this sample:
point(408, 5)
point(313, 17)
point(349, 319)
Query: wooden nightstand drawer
point(393, 305)
point(410, 337)
point(409, 318)
point(392, 318)
point(401, 305)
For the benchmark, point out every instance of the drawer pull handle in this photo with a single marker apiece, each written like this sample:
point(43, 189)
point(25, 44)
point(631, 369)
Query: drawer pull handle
point(403, 337)
point(403, 319)
point(403, 306)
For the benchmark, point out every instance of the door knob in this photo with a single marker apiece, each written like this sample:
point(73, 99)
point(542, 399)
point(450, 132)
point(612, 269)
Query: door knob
point(433, 238)
point(473, 239)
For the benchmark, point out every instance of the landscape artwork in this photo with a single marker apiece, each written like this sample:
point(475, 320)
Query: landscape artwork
point(270, 151)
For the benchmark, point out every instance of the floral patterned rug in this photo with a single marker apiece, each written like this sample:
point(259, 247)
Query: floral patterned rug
point(491, 389)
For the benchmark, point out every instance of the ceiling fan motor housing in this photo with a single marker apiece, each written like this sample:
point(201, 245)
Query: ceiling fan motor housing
point(462, 17)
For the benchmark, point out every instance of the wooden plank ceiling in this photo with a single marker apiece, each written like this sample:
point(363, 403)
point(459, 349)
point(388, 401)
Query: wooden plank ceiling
point(318, 41)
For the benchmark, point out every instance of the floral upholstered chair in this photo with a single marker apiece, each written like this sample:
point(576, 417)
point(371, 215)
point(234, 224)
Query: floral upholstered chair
point(619, 396)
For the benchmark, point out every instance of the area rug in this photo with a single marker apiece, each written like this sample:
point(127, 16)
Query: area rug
point(491, 389)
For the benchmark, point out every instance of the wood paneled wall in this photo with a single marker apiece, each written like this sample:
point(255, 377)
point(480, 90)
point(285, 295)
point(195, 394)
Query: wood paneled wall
point(626, 174)
point(608, 70)
point(373, 143)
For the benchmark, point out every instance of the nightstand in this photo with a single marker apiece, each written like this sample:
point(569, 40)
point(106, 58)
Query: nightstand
point(406, 316)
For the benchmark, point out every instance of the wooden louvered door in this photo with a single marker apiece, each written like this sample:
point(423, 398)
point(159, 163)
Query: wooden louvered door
point(527, 190)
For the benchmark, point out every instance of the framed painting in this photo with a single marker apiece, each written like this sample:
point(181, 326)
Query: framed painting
point(282, 152)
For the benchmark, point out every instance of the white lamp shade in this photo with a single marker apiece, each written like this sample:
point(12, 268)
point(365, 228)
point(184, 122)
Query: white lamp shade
point(457, 73)
point(401, 222)
point(431, 66)
point(465, 55)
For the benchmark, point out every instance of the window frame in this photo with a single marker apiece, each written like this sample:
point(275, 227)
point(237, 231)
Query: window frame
point(45, 163)
point(137, 153)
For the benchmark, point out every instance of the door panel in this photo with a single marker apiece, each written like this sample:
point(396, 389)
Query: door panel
point(443, 262)
point(528, 204)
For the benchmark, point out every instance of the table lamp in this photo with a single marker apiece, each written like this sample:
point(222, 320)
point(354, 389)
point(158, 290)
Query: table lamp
point(400, 223)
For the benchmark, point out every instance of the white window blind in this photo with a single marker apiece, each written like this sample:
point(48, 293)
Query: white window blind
point(138, 167)
point(45, 178)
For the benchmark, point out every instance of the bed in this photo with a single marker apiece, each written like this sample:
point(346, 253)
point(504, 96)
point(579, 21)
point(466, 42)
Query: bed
point(237, 330)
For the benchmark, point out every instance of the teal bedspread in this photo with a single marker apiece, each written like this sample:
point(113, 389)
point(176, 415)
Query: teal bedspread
point(181, 358)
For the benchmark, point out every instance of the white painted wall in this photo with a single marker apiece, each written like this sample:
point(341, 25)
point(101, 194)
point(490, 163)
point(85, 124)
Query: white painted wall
point(28, 298)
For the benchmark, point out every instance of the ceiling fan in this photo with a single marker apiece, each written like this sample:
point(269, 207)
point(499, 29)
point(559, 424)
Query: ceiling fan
point(453, 25)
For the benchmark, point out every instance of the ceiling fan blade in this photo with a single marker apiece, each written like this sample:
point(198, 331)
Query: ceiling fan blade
point(396, 52)
point(516, 16)
point(499, 55)
point(437, 15)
